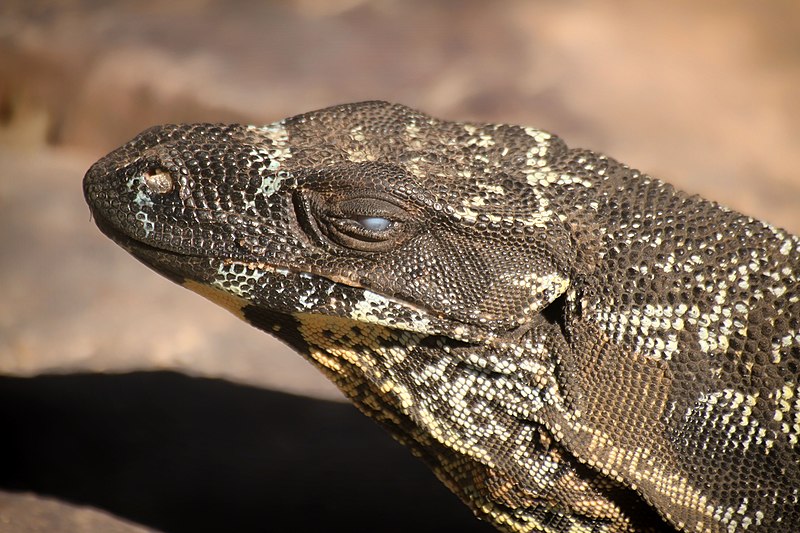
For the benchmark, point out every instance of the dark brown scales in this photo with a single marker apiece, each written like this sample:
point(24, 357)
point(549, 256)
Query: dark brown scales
point(571, 345)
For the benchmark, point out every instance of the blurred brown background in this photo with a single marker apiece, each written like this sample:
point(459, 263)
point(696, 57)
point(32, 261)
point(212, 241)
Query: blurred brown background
point(702, 94)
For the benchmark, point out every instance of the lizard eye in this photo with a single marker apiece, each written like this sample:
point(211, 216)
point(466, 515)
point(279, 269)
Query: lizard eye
point(374, 223)
point(366, 224)
point(363, 224)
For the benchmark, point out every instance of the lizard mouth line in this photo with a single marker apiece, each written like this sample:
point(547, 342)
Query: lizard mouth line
point(128, 242)
point(163, 260)
point(148, 253)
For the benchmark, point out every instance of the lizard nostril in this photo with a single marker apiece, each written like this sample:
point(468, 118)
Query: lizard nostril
point(158, 181)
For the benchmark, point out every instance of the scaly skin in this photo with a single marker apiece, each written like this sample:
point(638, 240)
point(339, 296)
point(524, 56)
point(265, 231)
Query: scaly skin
point(570, 344)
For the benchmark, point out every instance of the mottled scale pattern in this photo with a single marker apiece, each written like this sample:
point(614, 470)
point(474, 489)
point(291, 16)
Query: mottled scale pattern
point(571, 345)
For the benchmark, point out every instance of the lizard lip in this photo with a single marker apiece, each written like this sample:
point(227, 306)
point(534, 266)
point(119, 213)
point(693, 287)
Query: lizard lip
point(162, 260)
point(148, 253)
point(159, 259)
point(109, 229)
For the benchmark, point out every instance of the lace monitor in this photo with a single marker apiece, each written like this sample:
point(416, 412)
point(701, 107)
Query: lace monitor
point(570, 344)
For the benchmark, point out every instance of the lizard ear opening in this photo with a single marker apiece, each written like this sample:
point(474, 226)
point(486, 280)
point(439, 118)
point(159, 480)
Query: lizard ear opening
point(555, 312)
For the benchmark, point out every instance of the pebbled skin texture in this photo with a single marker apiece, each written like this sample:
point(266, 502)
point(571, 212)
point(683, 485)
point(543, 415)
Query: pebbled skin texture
point(570, 344)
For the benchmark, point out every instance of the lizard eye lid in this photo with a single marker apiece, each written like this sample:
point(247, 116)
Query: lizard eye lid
point(355, 221)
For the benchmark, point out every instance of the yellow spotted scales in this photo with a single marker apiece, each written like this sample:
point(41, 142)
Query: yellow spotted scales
point(571, 345)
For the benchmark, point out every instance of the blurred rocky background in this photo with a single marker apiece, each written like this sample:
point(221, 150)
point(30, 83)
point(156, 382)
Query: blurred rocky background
point(126, 400)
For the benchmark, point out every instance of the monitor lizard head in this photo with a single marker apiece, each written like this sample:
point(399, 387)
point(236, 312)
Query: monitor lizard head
point(406, 256)
point(369, 211)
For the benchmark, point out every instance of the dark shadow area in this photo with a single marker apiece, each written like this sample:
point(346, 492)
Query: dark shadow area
point(186, 454)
